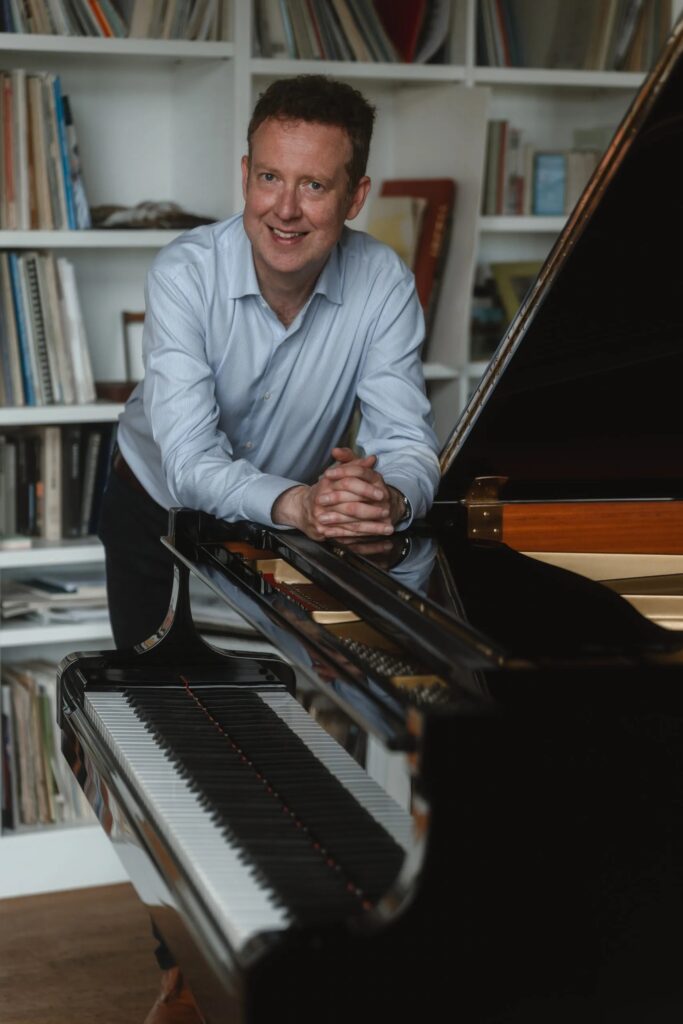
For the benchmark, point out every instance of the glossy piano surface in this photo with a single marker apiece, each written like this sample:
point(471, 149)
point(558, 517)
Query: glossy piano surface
point(520, 653)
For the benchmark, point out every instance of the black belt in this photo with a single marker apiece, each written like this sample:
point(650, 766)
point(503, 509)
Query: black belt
point(123, 470)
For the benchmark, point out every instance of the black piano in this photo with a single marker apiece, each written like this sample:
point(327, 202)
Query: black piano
point(517, 658)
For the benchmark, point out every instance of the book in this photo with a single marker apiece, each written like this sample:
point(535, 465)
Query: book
point(432, 245)
point(20, 149)
point(549, 183)
point(41, 218)
point(47, 272)
point(373, 31)
point(28, 371)
point(8, 337)
point(397, 221)
point(8, 492)
point(355, 38)
point(74, 332)
point(50, 390)
point(9, 193)
point(91, 451)
point(71, 480)
point(67, 183)
point(48, 481)
point(402, 21)
point(101, 474)
point(81, 205)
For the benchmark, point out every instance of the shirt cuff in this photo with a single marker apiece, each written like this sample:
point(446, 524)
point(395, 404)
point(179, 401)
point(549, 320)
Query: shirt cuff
point(261, 495)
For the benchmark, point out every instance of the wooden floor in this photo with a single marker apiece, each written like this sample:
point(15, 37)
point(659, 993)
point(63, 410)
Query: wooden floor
point(80, 957)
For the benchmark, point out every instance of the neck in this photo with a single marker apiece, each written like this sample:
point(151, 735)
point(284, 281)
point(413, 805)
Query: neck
point(286, 294)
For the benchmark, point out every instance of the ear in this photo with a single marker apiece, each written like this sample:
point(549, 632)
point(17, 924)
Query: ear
point(360, 194)
point(245, 175)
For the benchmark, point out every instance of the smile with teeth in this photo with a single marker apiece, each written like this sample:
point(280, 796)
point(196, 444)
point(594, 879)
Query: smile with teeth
point(287, 234)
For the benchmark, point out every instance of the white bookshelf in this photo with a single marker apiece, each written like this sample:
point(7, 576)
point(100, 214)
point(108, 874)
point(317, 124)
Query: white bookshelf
point(166, 120)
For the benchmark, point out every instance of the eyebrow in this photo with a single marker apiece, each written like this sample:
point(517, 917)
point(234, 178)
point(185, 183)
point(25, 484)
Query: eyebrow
point(262, 168)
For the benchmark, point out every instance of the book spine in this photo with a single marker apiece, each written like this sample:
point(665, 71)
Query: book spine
point(52, 477)
point(91, 454)
point(81, 205)
point(71, 480)
point(64, 153)
point(26, 367)
point(29, 263)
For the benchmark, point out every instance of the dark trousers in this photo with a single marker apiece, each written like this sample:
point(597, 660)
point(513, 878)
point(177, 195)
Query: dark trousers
point(139, 579)
point(139, 568)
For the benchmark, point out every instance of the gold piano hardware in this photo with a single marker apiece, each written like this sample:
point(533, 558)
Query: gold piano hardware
point(620, 526)
point(484, 509)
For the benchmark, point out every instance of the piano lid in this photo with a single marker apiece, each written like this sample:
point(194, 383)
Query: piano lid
point(583, 396)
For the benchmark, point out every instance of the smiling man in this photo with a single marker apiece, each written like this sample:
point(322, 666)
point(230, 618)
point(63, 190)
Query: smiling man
point(262, 333)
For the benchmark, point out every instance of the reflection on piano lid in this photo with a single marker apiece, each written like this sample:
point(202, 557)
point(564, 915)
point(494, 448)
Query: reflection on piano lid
point(519, 655)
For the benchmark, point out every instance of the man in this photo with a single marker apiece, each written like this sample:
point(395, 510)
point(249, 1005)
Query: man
point(261, 334)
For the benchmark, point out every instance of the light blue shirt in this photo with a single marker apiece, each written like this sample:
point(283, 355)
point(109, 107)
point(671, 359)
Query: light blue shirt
point(236, 408)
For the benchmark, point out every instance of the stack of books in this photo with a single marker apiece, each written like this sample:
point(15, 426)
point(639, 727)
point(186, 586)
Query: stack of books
point(587, 35)
point(118, 19)
point(52, 479)
point(44, 352)
point(41, 179)
point(521, 178)
point(391, 31)
point(37, 788)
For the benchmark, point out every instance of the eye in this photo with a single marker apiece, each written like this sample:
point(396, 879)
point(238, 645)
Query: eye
point(267, 176)
point(315, 186)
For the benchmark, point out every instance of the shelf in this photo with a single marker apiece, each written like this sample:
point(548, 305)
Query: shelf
point(629, 80)
point(135, 49)
point(53, 859)
point(31, 415)
point(413, 73)
point(519, 224)
point(102, 239)
point(42, 552)
point(35, 633)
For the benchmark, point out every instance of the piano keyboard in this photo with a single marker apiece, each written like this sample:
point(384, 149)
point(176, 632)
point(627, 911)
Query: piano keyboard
point(273, 821)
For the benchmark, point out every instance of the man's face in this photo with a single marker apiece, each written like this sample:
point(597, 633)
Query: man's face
point(297, 198)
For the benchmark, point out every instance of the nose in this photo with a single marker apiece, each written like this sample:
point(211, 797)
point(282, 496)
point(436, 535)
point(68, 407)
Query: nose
point(287, 206)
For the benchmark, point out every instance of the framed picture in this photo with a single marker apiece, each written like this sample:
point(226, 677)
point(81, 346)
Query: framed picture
point(513, 281)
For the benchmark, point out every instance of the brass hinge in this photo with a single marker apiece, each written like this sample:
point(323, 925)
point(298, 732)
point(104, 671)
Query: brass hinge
point(484, 508)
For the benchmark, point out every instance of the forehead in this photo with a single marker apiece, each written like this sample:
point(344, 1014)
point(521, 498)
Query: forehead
point(304, 147)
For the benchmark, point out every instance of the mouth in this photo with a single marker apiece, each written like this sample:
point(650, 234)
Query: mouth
point(287, 236)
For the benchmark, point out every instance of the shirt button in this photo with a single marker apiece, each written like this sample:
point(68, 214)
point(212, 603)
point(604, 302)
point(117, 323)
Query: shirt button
point(266, 396)
point(249, 444)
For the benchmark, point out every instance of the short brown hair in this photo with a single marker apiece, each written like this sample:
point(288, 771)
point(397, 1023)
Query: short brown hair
point(322, 100)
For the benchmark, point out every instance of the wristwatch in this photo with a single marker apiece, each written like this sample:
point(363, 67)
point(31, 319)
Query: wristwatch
point(407, 510)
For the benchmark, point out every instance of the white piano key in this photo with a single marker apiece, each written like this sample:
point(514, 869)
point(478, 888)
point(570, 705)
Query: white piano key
point(241, 900)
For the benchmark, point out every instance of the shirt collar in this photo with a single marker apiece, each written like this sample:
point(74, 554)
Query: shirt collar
point(243, 280)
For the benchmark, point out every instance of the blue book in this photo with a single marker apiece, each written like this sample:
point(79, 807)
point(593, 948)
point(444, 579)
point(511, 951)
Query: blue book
point(549, 184)
point(64, 153)
point(22, 330)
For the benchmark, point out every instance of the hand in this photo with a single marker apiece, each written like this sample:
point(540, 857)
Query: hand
point(357, 500)
point(349, 500)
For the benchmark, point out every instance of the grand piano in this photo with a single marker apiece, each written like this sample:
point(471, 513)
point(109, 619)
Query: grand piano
point(518, 656)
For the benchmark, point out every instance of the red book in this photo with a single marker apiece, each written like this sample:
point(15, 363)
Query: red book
point(436, 220)
point(402, 20)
